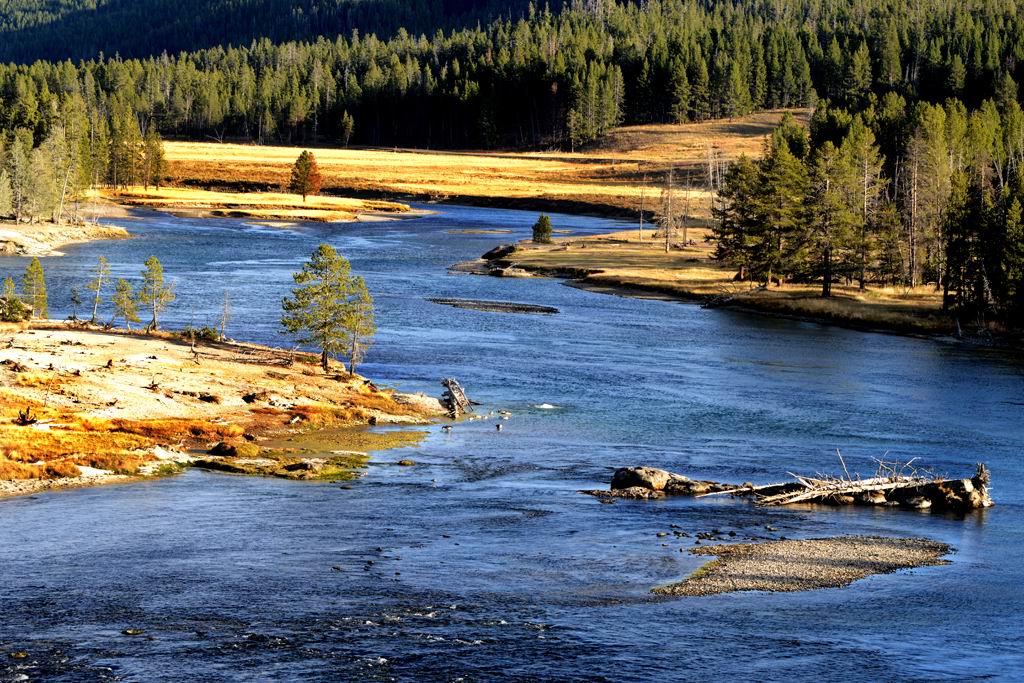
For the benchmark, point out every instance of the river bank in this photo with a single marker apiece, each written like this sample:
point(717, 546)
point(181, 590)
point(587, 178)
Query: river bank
point(271, 208)
point(46, 239)
point(632, 263)
point(83, 406)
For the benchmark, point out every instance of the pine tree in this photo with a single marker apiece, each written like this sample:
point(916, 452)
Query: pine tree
point(780, 205)
point(830, 219)
point(864, 186)
point(358, 323)
point(347, 128)
point(305, 178)
point(680, 85)
point(101, 271)
point(736, 215)
point(542, 230)
point(76, 302)
point(329, 307)
point(12, 308)
point(154, 293)
point(6, 194)
point(33, 289)
point(154, 165)
point(126, 304)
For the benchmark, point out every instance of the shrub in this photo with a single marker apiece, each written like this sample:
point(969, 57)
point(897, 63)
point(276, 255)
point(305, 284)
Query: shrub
point(204, 333)
point(542, 230)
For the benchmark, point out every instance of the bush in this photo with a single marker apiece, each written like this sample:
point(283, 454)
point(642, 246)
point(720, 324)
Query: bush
point(13, 310)
point(542, 230)
point(204, 333)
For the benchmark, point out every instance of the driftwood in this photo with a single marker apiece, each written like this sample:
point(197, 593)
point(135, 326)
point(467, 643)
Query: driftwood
point(726, 299)
point(454, 399)
point(893, 485)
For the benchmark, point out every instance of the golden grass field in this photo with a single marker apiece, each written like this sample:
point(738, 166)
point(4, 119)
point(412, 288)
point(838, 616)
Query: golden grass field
point(609, 176)
point(622, 262)
point(267, 206)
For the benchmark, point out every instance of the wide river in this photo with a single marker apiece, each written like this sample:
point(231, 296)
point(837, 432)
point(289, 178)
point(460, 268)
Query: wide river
point(487, 563)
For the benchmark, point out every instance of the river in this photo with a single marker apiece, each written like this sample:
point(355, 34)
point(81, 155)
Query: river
point(486, 562)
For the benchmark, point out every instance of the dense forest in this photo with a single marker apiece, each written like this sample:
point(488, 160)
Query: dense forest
point(551, 78)
point(83, 29)
point(910, 173)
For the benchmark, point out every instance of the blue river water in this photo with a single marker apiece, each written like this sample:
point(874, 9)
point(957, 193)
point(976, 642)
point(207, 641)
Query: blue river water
point(487, 563)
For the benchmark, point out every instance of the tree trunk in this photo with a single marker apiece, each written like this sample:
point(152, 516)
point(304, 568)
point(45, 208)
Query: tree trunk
point(826, 282)
point(324, 360)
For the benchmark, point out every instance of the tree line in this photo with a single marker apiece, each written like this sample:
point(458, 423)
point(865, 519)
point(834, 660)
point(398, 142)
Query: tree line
point(891, 194)
point(330, 307)
point(81, 29)
point(547, 79)
point(42, 178)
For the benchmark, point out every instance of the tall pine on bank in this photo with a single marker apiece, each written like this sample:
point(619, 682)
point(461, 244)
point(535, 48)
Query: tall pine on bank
point(305, 178)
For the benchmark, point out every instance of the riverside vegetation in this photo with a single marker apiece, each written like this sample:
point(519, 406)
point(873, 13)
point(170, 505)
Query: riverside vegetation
point(88, 404)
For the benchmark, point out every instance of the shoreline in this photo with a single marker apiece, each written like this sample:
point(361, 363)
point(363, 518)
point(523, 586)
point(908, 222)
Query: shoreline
point(620, 264)
point(267, 206)
point(787, 566)
point(113, 406)
point(47, 239)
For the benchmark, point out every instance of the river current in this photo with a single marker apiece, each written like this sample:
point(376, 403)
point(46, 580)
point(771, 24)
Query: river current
point(486, 562)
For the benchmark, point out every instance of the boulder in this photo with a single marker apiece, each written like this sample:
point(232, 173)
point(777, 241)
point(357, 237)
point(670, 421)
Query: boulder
point(500, 251)
point(224, 450)
point(632, 492)
point(643, 477)
point(917, 503)
point(870, 498)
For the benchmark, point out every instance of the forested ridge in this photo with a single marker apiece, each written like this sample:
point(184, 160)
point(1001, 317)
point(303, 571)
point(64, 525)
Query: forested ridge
point(83, 29)
point(910, 174)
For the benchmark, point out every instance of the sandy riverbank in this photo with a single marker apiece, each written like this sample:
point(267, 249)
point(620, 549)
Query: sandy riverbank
point(45, 239)
point(799, 565)
point(625, 264)
point(269, 208)
point(111, 404)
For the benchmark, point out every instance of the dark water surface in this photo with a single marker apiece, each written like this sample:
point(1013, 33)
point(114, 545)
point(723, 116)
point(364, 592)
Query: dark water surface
point(486, 562)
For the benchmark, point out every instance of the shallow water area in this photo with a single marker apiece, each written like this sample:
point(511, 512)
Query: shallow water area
point(482, 562)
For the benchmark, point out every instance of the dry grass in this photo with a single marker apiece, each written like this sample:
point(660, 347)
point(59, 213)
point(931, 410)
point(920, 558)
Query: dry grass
point(608, 176)
point(262, 205)
point(111, 418)
point(622, 262)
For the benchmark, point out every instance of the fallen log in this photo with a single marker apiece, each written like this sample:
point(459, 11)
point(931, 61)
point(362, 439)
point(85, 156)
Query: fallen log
point(454, 399)
point(894, 485)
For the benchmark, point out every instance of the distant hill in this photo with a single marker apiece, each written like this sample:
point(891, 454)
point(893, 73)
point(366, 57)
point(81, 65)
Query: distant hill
point(82, 29)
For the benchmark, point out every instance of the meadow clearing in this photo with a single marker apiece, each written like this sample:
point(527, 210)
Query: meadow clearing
point(608, 177)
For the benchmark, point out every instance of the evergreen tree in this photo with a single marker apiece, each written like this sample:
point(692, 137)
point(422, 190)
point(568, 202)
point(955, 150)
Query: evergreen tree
point(126, 304)
point(863, 185)
point(780, 205)
point(12, 308)
point(6, 194)
point(348, 127)
point(155, 294)
point(101, 273)
point(329, 307)
point(33, 289)
point(76, 302)
point(542, 230)
point(830, 218)
point(736, 215)
point(154, 166)
point(305, 178)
